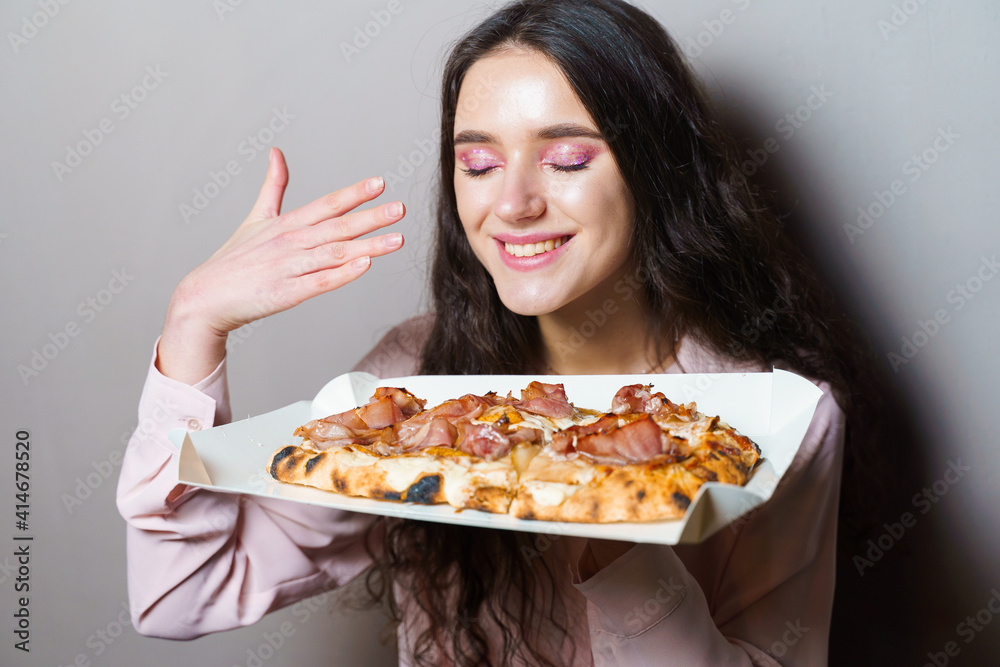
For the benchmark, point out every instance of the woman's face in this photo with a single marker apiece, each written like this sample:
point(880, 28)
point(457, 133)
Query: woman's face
point(539, 194)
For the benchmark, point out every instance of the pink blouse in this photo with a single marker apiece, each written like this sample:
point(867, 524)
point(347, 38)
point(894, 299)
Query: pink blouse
point(757, 593)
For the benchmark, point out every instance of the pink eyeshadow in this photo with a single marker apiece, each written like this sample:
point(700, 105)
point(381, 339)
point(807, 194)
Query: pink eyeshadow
point(570, 155)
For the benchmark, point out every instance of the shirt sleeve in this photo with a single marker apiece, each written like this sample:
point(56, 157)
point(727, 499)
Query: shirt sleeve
point(757, 593)
point(200, 561)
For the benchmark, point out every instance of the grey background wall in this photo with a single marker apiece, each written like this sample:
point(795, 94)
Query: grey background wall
point(119, 122)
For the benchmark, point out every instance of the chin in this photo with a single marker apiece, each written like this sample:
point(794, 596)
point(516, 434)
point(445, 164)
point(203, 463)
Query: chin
point(530, 303)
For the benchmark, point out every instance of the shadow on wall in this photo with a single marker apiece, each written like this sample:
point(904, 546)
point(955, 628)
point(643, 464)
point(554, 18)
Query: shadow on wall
point(883, 614)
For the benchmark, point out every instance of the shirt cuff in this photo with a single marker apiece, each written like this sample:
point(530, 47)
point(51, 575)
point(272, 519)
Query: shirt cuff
point(194, 407)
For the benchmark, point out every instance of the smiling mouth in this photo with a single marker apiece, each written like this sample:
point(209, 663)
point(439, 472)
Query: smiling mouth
point(532, 249)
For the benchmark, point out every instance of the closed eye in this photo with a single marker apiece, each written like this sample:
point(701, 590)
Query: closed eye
point(571, 167)
point(475, 173)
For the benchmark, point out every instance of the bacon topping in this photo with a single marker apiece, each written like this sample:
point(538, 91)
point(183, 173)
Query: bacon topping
point(431, 431)
point(381, 413)
point(490, 441)
point(607, 440)
point(395, 421)
point(639, 398)
point(364, 425)
point(407, 402)
point(548, 400)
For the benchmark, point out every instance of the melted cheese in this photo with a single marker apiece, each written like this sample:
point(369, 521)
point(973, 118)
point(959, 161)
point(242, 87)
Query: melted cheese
point(401, 472)
point(461, 476)
point(550, 494)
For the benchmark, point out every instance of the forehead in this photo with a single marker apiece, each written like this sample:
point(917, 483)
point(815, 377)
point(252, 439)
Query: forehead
point(515, 91)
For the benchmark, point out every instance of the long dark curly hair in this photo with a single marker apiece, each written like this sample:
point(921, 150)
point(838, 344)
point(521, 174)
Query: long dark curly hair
point(715, 263)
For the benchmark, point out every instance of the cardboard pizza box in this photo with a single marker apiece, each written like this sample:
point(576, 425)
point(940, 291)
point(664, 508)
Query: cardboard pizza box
point(772, 409)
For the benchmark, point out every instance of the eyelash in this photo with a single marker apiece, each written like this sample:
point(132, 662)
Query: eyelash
point(476, 173)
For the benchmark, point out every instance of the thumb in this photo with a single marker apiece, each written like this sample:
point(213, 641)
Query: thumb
point(268, 203)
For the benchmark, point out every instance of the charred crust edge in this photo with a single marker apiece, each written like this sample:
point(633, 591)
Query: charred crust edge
point(381, 494)
point(311, 463)
point(424, 491)
point(682, 501)
point(279, 457)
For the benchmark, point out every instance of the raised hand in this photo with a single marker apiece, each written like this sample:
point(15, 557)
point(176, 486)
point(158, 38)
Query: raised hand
point(271, 263)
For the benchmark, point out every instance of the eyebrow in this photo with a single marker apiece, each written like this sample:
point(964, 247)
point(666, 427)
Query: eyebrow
point(559, 131)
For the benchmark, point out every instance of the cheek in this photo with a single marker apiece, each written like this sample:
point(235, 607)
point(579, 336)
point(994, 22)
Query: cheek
point(469, 214)
point(601, 203)
point(474, 203)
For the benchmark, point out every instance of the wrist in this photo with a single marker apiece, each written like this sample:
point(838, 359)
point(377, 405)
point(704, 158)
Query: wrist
point(190, 348)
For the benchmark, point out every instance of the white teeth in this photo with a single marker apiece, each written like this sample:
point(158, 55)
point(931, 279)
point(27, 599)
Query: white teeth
point(532, 249)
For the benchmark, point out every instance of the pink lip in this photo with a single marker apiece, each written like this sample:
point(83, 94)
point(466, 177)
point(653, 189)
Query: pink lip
point(529, 263)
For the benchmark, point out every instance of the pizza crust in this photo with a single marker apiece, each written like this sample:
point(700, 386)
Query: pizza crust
point(580, 491)
point(426, 478)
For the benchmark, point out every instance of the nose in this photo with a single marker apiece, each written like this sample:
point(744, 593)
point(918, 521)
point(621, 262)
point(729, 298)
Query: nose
point(522, 197)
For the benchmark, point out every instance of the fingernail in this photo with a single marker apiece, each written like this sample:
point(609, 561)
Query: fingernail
point(393, 240)
point(395, 209)
point(374, 184)
point(361, 262)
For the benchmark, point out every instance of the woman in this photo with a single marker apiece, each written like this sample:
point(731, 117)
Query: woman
point(580, 172)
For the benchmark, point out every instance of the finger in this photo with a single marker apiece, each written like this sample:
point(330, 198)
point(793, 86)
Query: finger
point(268, 203)
point(327, 280)
point(340, 202)
point(356, 224)
point(339, 253)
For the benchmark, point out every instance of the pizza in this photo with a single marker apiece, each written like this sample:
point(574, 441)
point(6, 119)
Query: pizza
point(536, 456)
